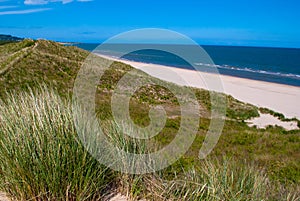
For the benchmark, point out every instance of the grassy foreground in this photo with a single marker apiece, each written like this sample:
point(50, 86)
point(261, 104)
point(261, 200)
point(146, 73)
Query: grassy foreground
point(42, 159)
point(40, 156)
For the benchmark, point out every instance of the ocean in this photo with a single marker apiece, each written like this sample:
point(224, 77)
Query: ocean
point(277, 65)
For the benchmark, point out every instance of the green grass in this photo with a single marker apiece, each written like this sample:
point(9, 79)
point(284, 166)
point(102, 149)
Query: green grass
point(216, 180)
point(41, 158)
point(221, 179)
point(29, 63)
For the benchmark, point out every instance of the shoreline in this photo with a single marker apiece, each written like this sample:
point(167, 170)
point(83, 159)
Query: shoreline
point(281, 98)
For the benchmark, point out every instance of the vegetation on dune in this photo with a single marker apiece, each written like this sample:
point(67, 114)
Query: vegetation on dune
point(42, 158)
point(29, 62)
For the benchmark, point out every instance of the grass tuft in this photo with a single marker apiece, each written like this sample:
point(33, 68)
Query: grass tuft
point(41, 158)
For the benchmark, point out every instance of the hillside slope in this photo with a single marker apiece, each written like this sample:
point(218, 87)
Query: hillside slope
point(29, 62)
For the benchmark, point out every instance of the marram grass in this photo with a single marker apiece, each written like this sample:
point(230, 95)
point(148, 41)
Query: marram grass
point(220, 180)
point(41, 158)
point(214, 180)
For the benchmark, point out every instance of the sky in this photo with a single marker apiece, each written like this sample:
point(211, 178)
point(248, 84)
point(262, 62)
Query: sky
point(271, 23)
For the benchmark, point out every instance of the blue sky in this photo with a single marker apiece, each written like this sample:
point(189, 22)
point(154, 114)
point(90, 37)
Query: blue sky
point(224, 22)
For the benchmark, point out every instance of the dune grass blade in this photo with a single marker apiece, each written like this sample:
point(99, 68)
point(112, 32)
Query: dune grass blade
point(220, 179)
point(41, 158)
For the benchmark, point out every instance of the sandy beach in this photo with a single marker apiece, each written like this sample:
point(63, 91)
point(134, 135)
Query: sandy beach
point(280, 98)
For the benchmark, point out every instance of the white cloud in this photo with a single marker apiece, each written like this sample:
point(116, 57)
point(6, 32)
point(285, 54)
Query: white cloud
point(43, 2)
point(6, 7)
point(35, 2)
point(17, 12)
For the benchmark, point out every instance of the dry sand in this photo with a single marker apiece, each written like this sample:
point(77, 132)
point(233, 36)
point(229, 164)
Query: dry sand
point(265, 120)
point(3, 197)
point(281, 98)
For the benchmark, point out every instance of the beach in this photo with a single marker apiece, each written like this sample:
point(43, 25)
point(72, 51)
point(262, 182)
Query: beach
point(280, 98)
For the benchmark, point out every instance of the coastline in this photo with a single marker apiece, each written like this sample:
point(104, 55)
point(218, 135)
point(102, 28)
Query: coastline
point(281, 98)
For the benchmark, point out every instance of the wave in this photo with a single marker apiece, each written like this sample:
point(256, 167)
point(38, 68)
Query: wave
point(227, 67)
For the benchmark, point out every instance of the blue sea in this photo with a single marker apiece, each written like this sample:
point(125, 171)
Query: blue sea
point(277, 65)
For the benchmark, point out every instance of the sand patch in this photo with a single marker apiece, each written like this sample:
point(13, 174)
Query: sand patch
point(265, 120)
